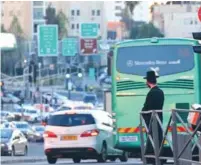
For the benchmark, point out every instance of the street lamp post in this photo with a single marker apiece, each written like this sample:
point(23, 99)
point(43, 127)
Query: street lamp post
point(39, 81)
point(68, 84)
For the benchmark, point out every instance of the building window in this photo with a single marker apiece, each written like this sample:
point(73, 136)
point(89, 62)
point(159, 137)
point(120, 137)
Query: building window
point(72, 26)
point(117, 7)
point(118, 14)
point(93, 12)
point(72, 12)
point(38, 3)
point(78, 25)
point(98, 12)
point(35, 27)
point(78, 12)
point(38, 13)
point(188, 21)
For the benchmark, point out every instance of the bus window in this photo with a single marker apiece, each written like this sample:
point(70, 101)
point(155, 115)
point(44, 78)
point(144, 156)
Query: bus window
point(164, 59)
point(183, 115)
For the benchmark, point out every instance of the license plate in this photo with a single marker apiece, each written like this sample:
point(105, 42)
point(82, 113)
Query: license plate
point(68, 138)
point(128, 138)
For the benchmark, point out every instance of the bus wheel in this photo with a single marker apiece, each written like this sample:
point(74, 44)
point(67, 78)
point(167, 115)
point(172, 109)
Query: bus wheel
point(124, 157)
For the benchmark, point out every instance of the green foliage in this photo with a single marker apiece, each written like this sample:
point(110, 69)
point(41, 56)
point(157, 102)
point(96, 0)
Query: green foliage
point(15, 27)
point(59, 19)
point(62, 21)
point(3, 30)
point(145, 31)
point(50, 15)
point(131, 5)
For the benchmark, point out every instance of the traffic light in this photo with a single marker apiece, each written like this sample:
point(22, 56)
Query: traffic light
point(79, 72)
point(197, 36)
point(32, 72)
point(68, 72)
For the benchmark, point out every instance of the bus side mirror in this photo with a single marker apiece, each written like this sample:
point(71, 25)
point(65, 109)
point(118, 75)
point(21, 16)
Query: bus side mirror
point(197, 49)
point(109, 66)
point(109, 63)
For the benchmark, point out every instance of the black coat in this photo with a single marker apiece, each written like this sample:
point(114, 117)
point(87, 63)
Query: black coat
point(154, 101)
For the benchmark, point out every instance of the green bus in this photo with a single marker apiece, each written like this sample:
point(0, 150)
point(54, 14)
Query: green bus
point(178, 67)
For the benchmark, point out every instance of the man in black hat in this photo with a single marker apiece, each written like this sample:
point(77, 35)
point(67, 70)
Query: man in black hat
point(154, 101)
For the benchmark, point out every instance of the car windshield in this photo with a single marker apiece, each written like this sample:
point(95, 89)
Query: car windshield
point(88, 99)
point(82, 107)
point(39, 129)
point(22, 125)
point(164, 59)
point(4, 113)
point(32, 111)
point(19, 110)
point(6, 133)
point(71, 120)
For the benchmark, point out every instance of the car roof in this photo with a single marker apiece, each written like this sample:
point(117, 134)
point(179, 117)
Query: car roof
point(19, 122)
point(87, 111)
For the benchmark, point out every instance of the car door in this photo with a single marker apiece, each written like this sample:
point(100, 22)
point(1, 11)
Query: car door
point(22, 142)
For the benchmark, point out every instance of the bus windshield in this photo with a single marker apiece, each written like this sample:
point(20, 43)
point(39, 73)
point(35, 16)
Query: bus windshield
point(164, 59)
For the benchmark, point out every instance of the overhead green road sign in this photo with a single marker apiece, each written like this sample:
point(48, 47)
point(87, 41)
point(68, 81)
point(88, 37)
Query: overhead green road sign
point(70, 46)
point(89, 30)
point(47, 40)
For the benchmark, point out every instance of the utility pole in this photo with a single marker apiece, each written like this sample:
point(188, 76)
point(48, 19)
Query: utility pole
point(39, 85)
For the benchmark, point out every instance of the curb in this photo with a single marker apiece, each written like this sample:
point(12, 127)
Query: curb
point(23, 160)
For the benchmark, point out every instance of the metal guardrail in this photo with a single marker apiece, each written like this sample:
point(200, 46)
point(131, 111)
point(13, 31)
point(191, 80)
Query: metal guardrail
point(171, 135)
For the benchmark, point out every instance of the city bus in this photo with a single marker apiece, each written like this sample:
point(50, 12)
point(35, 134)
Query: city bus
point(178, 67)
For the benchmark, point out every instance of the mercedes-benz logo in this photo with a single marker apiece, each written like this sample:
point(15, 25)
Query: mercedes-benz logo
point(129, 63)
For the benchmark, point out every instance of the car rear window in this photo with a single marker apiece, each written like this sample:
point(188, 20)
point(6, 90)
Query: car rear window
point(71, 120)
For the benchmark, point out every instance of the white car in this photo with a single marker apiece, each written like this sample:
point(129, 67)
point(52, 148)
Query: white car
point(31, 114)
point(13, 142)
point(81, 134)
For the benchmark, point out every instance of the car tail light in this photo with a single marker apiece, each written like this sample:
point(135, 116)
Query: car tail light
point(89, 133)
point(49, 134)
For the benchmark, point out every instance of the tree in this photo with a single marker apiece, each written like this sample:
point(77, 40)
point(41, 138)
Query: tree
point(62, 21)
point(131, 5)
point(145, 31)
point(59, 19)
point(3, 30)
point(15, 27)
point(127, 14)
point(50, 15)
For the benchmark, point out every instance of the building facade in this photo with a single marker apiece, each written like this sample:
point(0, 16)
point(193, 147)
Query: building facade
point(20, 9)
point(177, 20)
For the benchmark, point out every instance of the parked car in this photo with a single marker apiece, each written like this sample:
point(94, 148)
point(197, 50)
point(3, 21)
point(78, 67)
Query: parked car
point(81, 134)
point(13, 142)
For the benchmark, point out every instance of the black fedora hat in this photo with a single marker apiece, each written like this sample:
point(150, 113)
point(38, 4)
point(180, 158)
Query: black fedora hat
point(151, 76)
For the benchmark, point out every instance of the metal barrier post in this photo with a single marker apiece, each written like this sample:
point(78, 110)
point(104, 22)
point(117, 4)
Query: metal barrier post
point(174, 137)
point(155, 134)
point(142, 141)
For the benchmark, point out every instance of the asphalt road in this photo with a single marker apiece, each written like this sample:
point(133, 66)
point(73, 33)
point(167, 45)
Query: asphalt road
point(34, 149)
point(84, 162)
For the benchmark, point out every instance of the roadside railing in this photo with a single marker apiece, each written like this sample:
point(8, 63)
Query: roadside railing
point(179, 142)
